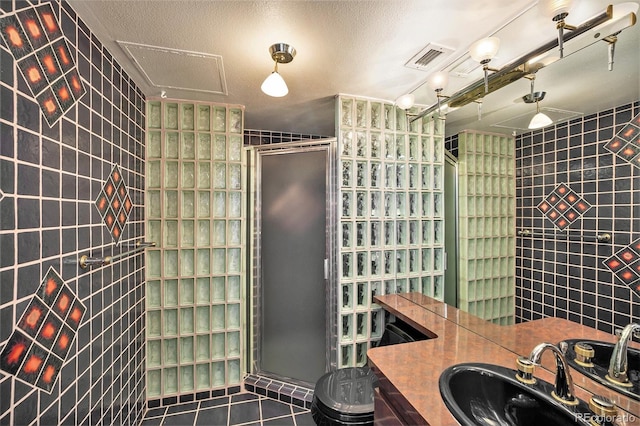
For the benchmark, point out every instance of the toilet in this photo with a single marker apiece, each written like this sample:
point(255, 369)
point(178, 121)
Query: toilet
point(345, 396)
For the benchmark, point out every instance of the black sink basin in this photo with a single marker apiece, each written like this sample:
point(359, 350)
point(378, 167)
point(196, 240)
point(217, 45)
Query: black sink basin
point(485, 394)
point(598, 372)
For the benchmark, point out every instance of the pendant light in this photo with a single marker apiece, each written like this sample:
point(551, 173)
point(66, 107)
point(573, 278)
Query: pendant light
point(274, 85)
point(540, 119)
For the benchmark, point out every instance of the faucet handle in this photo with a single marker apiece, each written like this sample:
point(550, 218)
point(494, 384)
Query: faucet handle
point(604, 409)
point(563, 346)
point(634, 334)
point(525, 370)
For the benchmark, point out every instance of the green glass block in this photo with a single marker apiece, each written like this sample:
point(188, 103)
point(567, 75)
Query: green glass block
point(235, 204)
point(235, 120)
point(218, 373)
point(171, 145)
point(235, 176)
point(170, 376)
point(154, 323)
point(361, 354)
point(346, 296)
point(346, 327)
point(204, 175)
point(154, 383)
point(389, 117)
point(233, 260)
point(171, 115)
point(219, 204)
point(153, 263)
point(188, 175)
point(186, 349)
point(186, 291)
point(203, 290)
point(171, 174)
point(154, 144)
point(170, 292)
point(219, 119)
point(154, 299)
point(204, 204)
point(170, 353)
point(234, 371)
point(171, 204)
point(154, 230)
point(204, 118)
point(218, 289)
point(154, 117)
point(346, 356)
point(218, 345)
point(187, 264)
point(235, 232)
point(235, 148)
point(202, 348)
point(188, 204)
point(203, 376)
point(219, 261)
point(154, 207)
point(427, 286)
point(375, 115)
point(170, 322)
point(219, 175)
point(153, 174)
point(202, 319)
point(187, 380)
point(170, 263)
point(233, 316)
point(186, 233)
point(188, 119)
point(170, 233)
point(203, 233)
point(346, 112)
point(361, 113)
point(219, 232)
point(233, 284)
point(188, 147)
point(204, 146)
point(233, 344)
point(203, 262)
point(218, 317)
point(186, 321)
point(220, 147)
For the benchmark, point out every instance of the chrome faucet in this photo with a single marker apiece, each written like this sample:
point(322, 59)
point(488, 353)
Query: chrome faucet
point(563, 391)
point(618, 365)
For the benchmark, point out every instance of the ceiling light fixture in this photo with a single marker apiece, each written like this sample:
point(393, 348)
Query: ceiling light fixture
point(540, 119)
point(483, 51)
point(274, 85)
point(557, 10)
point(604, 26)
point(406, 101)
point(438, 82)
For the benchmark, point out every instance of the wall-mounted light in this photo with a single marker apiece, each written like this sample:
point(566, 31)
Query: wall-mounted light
point(483, 51)
point(274, 85)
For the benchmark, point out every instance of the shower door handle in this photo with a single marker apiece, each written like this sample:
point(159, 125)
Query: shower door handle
point(326, 269)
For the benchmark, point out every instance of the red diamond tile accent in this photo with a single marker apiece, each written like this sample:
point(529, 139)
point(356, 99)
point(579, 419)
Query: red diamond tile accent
point(42, 339)
point(625, 143)
point(563, 206)
point(114, 204)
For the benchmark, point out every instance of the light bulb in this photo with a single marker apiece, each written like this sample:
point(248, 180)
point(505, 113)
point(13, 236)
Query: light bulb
point(554, 8)
point(484, 49)
point(438, 81)
point(406, 101)
point(274, 85)
point(540, 120)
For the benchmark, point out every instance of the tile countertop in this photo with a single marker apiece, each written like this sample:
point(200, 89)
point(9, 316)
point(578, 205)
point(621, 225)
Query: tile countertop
point(412, 369)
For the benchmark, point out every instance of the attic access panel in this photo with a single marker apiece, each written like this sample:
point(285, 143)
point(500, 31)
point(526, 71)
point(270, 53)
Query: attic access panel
point(179, 69)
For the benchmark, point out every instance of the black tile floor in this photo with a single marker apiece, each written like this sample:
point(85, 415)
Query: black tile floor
point(240, 409)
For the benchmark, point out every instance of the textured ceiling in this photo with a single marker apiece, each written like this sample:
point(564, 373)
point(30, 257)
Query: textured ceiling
point(360, 48)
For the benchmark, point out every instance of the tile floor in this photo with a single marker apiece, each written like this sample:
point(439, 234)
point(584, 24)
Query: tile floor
point(239, 409)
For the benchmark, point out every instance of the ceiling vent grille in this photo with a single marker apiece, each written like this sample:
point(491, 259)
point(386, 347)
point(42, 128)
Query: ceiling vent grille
point(431, 53)
point(464, 67)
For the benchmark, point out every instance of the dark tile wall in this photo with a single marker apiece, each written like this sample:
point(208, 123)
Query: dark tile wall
point(564, 276)
point(50, 178)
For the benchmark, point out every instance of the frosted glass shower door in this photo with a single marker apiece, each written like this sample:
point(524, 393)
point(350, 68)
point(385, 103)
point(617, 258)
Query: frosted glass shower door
point(293, 249)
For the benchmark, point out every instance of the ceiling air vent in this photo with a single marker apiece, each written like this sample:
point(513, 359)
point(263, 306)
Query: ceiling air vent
point(426, 57)
point(464, 67)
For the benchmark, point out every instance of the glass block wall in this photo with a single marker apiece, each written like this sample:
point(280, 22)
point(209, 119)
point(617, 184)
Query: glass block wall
point(391, 240)
point(194, 199)
point(486, 172)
